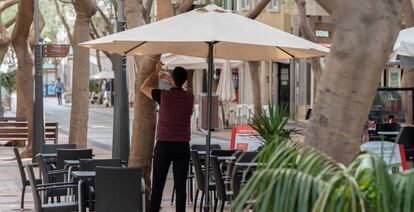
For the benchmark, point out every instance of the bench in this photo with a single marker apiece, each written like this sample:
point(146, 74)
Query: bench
point(15, 131)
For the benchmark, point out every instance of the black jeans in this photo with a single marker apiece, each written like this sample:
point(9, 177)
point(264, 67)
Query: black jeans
point(179, 154)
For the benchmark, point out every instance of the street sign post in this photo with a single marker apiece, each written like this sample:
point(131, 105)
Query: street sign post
point(55, 50)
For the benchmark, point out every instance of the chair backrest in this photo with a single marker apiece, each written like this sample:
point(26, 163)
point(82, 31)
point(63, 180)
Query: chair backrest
point(91, 164)
point(71, 154)
point(202, 147)
point(220, 189)
point(406, 138)
point(20, 165)
point(118, 189)
point(247, 157)
point(33, 185)
point(223, 153)
point(52, 148)
point(198, 170)
point(43, 168)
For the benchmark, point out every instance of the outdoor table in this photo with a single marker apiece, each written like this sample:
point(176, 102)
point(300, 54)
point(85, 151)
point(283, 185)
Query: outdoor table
point(82, 176)
point(71, 162)
point(246, 164)
point(388, 133)
point(226, 158)
point(49, 155)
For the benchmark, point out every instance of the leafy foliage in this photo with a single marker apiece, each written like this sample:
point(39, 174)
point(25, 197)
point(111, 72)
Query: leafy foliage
point(295, 177)
point(8, 81)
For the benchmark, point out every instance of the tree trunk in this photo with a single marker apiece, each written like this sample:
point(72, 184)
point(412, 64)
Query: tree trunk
point(408, 75)
point(254, 77)
point(190, 81)
point(308, 34)
point(24, 76)
point(80, 85)
point(143, 129)
point(254, 65)
point(363, 39)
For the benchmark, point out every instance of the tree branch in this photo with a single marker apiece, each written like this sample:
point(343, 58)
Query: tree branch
point(10, 22)
point(185, 6)
point(106, 19)
point(63, 20)
point(8, 3)
point(408, 14)
point(147, 9)
point(258, 9)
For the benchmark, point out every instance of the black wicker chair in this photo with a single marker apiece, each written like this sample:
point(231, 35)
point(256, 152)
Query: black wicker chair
point(36, 188)
point(200, 180)
point(118, 189)
point(90, 165)
point(25, 182)
point(221, 193)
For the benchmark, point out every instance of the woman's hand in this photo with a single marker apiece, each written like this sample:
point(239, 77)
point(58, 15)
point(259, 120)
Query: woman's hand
point(165, 77)
point(158, 66)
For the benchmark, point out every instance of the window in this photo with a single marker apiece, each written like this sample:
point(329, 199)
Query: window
point(245, 4)
point(273, 5)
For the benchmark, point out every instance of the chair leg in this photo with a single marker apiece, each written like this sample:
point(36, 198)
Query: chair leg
point(202, 201)
point(172, 196)
point(22, 199)
point(215, 204)
point(222, 205)
point(191, 191)
point(195, 201)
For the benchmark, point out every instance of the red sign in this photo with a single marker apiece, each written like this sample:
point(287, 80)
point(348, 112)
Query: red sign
point(244, 138)
point(55, 50)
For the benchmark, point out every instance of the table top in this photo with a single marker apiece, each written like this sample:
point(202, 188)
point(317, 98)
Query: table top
point(388, 132)
point(49, 155)
point(71, 162)
point(83, 174)
point(246, 164)
point(226, 157)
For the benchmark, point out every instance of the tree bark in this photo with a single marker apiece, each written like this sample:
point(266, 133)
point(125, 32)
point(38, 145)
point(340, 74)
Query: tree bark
point(258, 9)
point(143, 129)
point(254, 65)
point(24, 76)
point(80, 86)
point(408, 75)
point(63, 20)
point(363, 39)
point(254, 77)
point(308, 34)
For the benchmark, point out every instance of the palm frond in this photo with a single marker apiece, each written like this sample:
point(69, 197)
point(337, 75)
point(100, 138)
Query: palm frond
point(404, 190)
point(280, 190)
point(370, 171)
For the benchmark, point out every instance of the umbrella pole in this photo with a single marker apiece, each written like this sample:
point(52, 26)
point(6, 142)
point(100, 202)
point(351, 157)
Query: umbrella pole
point(208, 137)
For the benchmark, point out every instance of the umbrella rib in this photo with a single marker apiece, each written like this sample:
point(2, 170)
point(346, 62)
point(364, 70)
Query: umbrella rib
point(285, 52)
point(140, 44)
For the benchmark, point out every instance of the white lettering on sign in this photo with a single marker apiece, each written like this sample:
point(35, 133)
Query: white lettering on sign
point(388, 151)
point(322, 33)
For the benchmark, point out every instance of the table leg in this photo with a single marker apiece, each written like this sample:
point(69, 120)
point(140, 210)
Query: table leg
point(81, 196)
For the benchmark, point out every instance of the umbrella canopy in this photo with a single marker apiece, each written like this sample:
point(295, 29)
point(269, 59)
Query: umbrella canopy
point(225, 88)
point(404, 45)
point(172, 60)
point(103, 75)
point(209, 32)
point(234, 37)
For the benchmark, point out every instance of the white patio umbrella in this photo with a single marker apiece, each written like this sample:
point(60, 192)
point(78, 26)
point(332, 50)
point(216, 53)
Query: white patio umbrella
point(225, 88)
point(172, 60)
point(103, 75)
point(209, 32)
point(404, 45)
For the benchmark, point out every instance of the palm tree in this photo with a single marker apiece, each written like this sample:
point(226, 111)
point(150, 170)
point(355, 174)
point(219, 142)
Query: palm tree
point(295, 177)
